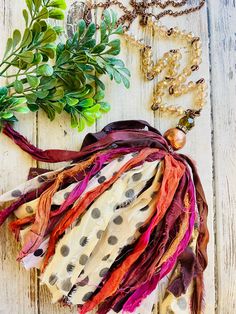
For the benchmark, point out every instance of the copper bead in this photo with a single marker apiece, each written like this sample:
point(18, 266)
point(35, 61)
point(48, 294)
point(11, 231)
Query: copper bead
point(176, 138)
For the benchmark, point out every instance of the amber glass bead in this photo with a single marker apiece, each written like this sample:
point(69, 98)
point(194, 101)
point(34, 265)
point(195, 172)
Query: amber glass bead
point(176, 138)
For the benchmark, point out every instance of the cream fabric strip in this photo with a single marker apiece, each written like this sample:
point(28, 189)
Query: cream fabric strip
point(28, 186)
point(27, 209)
point(71, 257)
point(123, 225)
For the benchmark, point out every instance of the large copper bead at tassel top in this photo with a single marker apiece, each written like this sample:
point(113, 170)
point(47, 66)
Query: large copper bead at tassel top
point(176, 138)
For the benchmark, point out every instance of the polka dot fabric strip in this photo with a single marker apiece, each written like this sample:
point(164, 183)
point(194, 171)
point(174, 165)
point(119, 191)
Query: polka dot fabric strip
point(125, 216)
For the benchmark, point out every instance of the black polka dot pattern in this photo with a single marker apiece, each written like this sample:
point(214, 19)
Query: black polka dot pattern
point(70, 268)
point(112, 240)
point(65, 250)
point(144, 208)
point(103, 272)
point(66, 285)
point(16, 193)
point(182, 303)
point(137, 176)
point(139, 225)
point(83, 259)
point(29, 209)
point(101, 179)
point(96, 213)
point(105, 258)
point(99, 234)
point(129, 193)
point(87, 296)
point(118, 220)
point(66, 195)
point(38, 252)
point(42, 179)
point(121, 158)
point(52, 279)
point(83, 282)
point(83, 241)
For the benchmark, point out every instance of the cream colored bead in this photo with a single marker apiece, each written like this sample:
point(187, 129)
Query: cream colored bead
point(180, 110)
point(187, 71)
point(191, 85)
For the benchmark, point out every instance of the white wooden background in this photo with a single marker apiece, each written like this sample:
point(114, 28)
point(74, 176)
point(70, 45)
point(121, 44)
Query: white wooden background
point(211, 144)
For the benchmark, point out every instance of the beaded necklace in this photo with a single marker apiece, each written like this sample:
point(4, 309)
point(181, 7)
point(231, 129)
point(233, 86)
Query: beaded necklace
point(173, 80)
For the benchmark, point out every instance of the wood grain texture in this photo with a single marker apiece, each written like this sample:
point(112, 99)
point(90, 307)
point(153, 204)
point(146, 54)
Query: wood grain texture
point(211, 144)
point(223, 72)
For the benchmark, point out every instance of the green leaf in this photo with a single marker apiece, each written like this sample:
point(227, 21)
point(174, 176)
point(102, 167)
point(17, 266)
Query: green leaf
point(7, 115)
point(95, 108)
point(88, 102)
point(26, 16)
point(33, 81)
point(72, 101)
point(43, 14)
point(90, 118)
point(49, 36)
point(124, 70)
point(58, 106)
point(18, 85)
point(63, 58)
point(104, 106)
point(8, 46)
point(33, 107)
point(26, 56)
point(29, 4)
point(49, 50)
point(38, 58)
point(60, 4)
point(74, 121)
point(117, 77)
point(17, 101)
point(119, 30)
point(91, 30)
point(107, 17)
point(103, 29)
point(82, 124)
point(58, 29)
point(37, 4)
point(27, 38)
point(22, 109)
point(41, 94)
point(36, 28)
point(99, 95)
point(16, 37)
point(56, 14)
point(81, 27)
point(3, 91)
point(59, 94)
point(48, 82)
point(99, 48)
point(125, 81)
point(31, 98)
point(44, 25)
point(50, 111)
point(45, 70)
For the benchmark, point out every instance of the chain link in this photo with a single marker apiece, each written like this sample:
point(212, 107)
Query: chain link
point(141, 9)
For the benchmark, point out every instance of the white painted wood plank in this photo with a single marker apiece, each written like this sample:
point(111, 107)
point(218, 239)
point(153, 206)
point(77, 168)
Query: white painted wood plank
point(222, 17)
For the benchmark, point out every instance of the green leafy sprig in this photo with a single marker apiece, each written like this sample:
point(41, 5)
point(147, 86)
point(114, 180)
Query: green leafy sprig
point(64, 76)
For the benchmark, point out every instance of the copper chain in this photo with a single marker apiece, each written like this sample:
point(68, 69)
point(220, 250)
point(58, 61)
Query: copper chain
point(141, 9)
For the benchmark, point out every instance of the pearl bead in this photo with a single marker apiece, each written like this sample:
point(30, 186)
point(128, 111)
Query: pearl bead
point(176, 138)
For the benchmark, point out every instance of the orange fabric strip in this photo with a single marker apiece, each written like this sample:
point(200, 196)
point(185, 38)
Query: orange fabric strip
point(173, 172)
point(87, 199)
